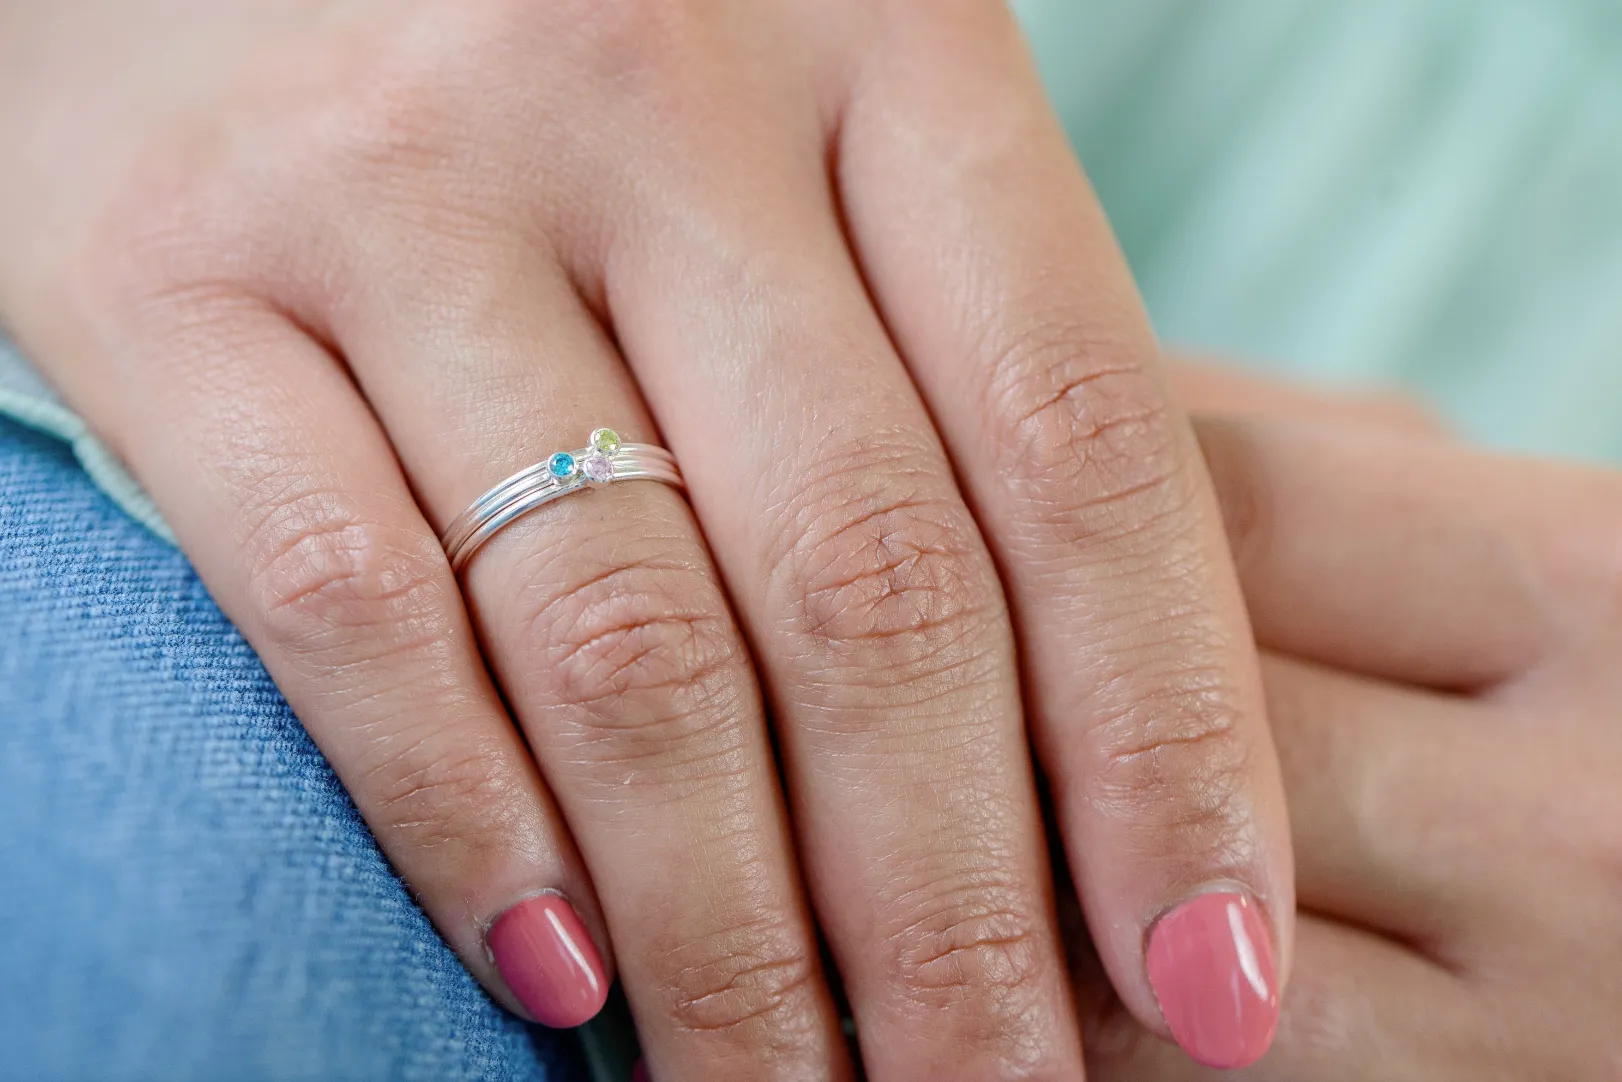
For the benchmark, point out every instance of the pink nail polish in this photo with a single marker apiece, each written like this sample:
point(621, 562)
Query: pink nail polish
point(640, 1072)
point(1212, 969)
point(549, 961)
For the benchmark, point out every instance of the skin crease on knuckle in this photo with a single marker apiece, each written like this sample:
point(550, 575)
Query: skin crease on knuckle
point(1084, 433)
point(971, 943)
point(962, 935)
point(647, 684)
point(752, 984)
point(338, 594)
point(655, 688)
point(973, 948)
point(435, 800)
point(639, 649)
point(1174, 770)
point(887, 587)
point(328, 580)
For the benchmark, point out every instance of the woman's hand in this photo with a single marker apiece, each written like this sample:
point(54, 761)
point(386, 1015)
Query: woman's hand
point(323, 271)
point(1442, 627)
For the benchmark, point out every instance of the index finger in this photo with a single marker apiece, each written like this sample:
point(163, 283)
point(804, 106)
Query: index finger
point(998, 276)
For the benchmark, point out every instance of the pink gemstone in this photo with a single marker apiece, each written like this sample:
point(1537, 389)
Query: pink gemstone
point(597, 467)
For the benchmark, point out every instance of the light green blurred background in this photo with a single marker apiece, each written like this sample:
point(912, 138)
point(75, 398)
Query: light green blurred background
point(1427, 191)
point(1417, 191)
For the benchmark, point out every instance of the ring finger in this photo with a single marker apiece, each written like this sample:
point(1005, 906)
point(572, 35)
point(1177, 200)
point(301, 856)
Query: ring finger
point(608, 630)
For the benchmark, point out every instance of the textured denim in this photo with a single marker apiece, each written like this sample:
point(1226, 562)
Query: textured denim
point(186, 892)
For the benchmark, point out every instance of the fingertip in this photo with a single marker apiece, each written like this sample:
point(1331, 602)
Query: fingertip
point(1213, 967)
point(543, 952)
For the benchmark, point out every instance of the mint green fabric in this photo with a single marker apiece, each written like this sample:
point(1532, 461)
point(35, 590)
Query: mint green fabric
point(25, 397)
point(1423, 191)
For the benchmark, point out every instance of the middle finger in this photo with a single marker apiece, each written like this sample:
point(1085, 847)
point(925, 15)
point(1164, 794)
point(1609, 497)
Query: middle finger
point(868, 595)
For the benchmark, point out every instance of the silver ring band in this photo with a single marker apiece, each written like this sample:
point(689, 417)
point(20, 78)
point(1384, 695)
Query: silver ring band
point(603, 461)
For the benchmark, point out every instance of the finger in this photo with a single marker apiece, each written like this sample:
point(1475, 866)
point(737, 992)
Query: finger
point(870, 599)
point(1375, 774)
point(996, 272)
point(1205, 387)
point(1359, 1009)
point(284, 492)
point(1423, 562)
point(609, 632)
point(1409, 811)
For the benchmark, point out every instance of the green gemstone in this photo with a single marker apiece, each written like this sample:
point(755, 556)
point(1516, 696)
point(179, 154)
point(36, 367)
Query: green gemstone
point(606, 440)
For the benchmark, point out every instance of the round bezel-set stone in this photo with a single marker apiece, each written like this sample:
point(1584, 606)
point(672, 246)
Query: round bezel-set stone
point(562, 466)
point(605, 440)
point(597, 468)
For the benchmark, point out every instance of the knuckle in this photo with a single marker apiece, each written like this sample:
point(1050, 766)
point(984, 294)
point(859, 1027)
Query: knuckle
point(324, 574)
point(638, 628)
point(1176, 761)
point(647, 55)
point(975, 947)
point(755, 983)
point(885, 580)
point(966, 947)
point(646, 646)
point(394, 146)
point(429, 797)
point(1084, 433)
point(164, 251)
point(659, 56)
point(387, 121)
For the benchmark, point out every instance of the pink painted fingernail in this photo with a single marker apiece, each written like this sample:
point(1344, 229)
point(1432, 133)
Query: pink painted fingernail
point(1211, 966)
point(639, 1073)
point(549, 961)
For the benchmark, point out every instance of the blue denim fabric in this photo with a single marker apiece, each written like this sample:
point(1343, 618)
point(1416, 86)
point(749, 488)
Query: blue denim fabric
point(186, 891)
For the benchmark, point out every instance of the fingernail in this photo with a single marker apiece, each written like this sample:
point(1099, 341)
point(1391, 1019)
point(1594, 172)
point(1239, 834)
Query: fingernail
point(1212, 969)
point(639, 1073)
point(549, 961)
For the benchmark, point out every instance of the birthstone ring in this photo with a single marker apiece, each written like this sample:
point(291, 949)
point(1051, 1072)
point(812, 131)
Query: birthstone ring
point(603, 461)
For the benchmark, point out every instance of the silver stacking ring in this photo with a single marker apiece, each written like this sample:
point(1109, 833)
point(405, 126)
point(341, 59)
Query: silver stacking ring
point(603, 461)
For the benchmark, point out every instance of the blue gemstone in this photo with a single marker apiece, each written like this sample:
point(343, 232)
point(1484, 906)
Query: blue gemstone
point(561, 465)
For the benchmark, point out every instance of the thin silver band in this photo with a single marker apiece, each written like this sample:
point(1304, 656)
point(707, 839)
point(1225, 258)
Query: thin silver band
point(539, 485)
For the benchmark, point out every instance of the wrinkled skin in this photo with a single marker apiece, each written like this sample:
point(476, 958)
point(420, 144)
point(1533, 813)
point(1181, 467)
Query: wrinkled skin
point(321, 272)
point(1441, 627)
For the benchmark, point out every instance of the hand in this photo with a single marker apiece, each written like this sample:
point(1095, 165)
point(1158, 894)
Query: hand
point(323, 271)
point(1442, 627)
